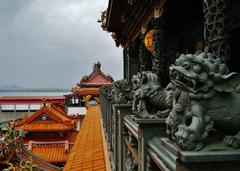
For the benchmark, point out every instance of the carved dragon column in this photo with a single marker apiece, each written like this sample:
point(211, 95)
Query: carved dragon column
point(143, 51)
point(216, 34)
point(159, 44)
point(132, 58)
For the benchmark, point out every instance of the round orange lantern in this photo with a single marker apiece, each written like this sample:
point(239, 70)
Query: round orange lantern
point(148, 40)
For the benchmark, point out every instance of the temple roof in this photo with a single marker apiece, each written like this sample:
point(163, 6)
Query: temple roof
point(48, 118)
point(14, 155)
point(96, 77)
point(37, 161)
point(89, 84)
point(89, 151)
point(51, 149)
point(52, 152)
point(97, 72)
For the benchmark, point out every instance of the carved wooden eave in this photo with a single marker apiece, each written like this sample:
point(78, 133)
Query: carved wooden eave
point(125, 18)
point(234, 15)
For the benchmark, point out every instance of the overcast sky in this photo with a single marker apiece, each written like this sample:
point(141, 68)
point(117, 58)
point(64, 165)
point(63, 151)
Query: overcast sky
point(53, 43)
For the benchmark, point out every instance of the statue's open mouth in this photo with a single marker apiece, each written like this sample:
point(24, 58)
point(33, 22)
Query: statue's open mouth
point(184, 81)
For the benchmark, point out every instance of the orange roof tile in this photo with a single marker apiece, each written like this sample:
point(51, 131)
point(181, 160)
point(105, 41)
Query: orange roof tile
point(44, 126)
point(51, 152)
point(93, 84)
point(89, 150)
point(38, 161)
point(85, 90)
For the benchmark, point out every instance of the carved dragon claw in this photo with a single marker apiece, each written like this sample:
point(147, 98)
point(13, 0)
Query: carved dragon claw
point(232, 141)
point(182, 134)
point(187, 139)
point(144, 114)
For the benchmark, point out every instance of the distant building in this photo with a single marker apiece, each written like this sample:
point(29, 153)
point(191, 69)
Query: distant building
point(87, 89)
point(16, 107)
point(90, 84)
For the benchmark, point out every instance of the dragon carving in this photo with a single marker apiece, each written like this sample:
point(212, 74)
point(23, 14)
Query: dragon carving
point(205, 97)
point(150, 100)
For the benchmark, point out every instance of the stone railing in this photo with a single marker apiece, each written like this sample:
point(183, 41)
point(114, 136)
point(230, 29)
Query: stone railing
point(136, 132)
point(126, 134)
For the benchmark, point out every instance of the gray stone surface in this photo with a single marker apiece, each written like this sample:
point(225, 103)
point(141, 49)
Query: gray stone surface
point(168, 156)
point(212, 153)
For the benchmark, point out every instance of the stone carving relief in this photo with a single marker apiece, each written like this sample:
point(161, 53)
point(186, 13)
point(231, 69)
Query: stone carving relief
point(156, 50)
point(121, 92)
point(108, 91)
point(131, 164)
point(205, 97)
point(104, 89)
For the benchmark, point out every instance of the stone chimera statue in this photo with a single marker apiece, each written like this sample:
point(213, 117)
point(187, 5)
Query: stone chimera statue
point(205, 97)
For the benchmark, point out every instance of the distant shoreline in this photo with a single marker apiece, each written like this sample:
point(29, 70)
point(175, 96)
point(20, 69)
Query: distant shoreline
point(36, 90)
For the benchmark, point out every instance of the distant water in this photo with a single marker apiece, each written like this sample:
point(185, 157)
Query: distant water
point(34, 93)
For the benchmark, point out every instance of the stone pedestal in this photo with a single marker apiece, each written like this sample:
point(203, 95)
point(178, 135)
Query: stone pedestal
point(147, 128)
point(212, 158)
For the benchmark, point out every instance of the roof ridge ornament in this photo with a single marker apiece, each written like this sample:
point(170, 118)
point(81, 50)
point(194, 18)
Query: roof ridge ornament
point(44, 101)
point(97, 66)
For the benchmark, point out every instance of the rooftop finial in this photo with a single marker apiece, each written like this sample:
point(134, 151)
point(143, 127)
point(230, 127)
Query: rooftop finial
point(97, 66)
point(44, 101)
